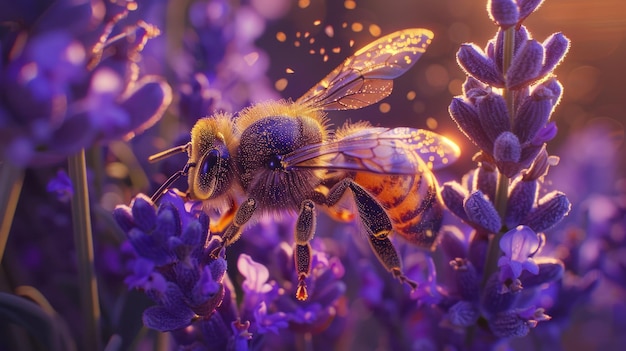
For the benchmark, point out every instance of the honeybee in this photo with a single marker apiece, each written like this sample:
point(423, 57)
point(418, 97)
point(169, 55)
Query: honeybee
point(282, 156)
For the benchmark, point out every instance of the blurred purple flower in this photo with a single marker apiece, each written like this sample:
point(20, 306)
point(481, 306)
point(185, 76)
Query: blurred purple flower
point(61, 186)
point(71, 79)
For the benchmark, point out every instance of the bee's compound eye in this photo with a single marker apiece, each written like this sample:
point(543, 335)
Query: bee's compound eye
point(210, 161)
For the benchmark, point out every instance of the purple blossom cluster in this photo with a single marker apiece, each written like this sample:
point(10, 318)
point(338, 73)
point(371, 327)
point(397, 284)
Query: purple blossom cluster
point(68, 84)
point(499, 269)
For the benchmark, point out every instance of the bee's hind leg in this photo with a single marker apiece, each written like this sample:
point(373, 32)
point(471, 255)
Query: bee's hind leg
point(303, 233)
point(376, 223)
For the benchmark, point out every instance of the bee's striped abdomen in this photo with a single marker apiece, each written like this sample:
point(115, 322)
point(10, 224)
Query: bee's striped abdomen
point(412, 203)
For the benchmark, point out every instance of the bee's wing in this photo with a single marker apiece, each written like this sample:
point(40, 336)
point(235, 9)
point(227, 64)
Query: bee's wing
point(366, 77)
point(378, 150)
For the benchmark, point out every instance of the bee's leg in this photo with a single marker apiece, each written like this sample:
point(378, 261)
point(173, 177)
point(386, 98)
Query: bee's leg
point(377, 224)
point(233, 232)
point(305, 229)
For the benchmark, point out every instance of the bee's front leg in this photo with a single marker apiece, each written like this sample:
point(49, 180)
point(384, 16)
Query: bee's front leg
point(377, 225)
point(233, 231)
point(303, 233)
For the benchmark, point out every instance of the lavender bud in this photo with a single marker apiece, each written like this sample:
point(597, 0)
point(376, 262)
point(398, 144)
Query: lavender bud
point(556, 47)
point(471, 58)
point(453, 195)
point(481, 211)
point(472, 83)
point(495, 298)
point(521, 200)
point(547, 133)
point(507, 148)
point(478, 247)
point(452, 242)
point(144, 213)
point(555, 87)
point(170, 315)
point(509, 325)
point(504, 13)
point(466, 118)
point(463, 314)
point(533, 114)
point(526, 65)
point(551, 209)
point(521, 36)
point(485, 179)
point(526, 7)
point(466, 278)
point(124, 218)
point(493, 115)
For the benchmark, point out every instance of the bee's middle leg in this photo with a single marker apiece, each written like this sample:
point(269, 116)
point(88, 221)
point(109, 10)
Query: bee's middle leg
point(303, 233)
point(376, 223)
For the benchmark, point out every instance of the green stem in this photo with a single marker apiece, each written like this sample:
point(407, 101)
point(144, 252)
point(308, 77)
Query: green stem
point(83, 240)
point(502, 188)
point(11, 180)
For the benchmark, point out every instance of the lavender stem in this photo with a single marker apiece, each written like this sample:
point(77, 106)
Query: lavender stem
point(83, 241)
point(11, 180)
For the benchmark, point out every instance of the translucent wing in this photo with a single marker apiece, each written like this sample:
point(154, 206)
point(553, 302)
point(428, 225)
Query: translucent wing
point(366, 77)
point(378, 150)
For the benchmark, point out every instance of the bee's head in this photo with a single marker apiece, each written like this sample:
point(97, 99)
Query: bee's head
point(210, 173)
point(208, 169)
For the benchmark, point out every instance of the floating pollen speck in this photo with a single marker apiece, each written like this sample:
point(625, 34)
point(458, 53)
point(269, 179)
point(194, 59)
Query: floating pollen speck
point(384, 107)
point(304, 3)
point(281, 36)
point(289, 71)
point(296, 43)
point(298, 34)
point(312, 40)
point(330, 31)
point(281, 84)
point(344, 25)
point(431, 123)
point(356, 27)
point(322, 51)
point(349, 4)
point(351, 42)
point(325, 58)
point(336, 50)
point(411, 95)
point(312, 52)
point(317, 22)
point(374, 30)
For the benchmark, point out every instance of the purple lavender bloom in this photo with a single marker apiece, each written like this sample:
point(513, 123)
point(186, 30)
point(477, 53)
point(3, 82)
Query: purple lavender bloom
point(61, 186)
point(63, 88)
point(173, 265)
point(519, 246)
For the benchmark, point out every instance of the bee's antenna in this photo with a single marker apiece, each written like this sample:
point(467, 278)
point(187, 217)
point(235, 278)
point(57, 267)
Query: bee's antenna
point(169, 152)
point(183, 172)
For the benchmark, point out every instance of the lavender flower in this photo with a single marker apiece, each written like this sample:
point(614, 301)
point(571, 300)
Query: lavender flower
point(63, 88)
point(173, 265)
point(499, 272)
